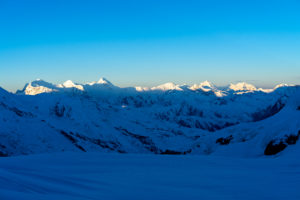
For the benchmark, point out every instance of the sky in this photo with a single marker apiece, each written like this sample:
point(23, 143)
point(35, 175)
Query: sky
point(149, 42)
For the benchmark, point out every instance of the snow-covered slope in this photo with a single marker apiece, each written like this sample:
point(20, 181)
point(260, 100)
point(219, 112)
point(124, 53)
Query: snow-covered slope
point(168, 119)
point(252, 139)
point(81, 176)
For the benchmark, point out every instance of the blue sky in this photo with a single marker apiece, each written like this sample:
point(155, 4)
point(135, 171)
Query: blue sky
point(149, 42)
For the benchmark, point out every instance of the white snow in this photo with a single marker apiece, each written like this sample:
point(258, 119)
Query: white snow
point(39, 86)
point(283, 85)
point(167, 86)
point(31, 90)
point(242, 86)
point(70, 84)
point(77, 176)
point(104, 81)
point(142, 89)
point(205, 86)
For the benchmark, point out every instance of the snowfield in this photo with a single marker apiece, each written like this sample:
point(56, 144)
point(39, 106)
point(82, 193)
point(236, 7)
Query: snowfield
point(133, 176)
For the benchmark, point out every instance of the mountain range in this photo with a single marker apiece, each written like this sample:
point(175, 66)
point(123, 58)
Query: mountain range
point(238, 120)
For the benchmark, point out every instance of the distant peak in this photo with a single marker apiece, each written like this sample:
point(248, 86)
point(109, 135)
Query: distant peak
point(242, 86)
point(36, 87)
point(71, 84)
point(206, 83)
point(104, 81)
point(167, 86)
point(283, 85)
point(41, 83)
point(38, 80)
point(205, 86)
point(141, 89)
point(68, 83)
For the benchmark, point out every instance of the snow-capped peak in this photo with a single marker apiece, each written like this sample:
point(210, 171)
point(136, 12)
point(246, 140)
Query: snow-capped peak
point(205, 86)
point(37, 87)
point(167, 86)
point(41, 83)
point(283, 85)
point(101, 81)
point(242, 86)
point(141, 89)
point(104, 81)
point(70, 84)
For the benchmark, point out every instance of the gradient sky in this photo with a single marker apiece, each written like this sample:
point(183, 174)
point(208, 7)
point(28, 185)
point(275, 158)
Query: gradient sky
point(149, 42)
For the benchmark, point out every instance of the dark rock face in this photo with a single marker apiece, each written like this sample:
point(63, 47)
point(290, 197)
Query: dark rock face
point(110, 145)
point(149, 144)
point(2, 154)
point(273, 148)
point(224, 141)
point(171, 152)
point(184, 123)
point(268, 112)
point(145, 140)
point(72, 140)
point(292, 139)
point(2, 151)
point(278, 145)
point(17, 111)
point(59, 110)
point(75, 138)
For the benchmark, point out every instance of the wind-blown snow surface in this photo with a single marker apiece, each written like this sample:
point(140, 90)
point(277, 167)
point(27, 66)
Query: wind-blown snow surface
point(239, 120)
point(127, 176)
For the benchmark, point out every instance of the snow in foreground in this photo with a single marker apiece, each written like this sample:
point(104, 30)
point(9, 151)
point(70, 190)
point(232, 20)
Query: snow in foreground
point(126, 176)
